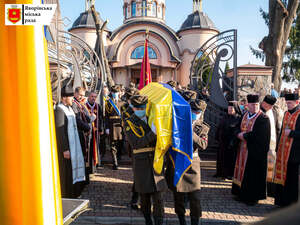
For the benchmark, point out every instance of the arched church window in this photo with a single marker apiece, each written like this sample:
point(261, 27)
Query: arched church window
point(154, 9)
point(126, 8)
point(133, 8)
point(144, 8)
point(138, 53)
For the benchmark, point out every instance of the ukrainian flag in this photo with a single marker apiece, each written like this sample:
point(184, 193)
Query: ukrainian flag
point(29, 179)
point(171, 116)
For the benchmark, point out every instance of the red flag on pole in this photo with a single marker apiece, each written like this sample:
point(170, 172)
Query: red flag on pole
point(145, 75)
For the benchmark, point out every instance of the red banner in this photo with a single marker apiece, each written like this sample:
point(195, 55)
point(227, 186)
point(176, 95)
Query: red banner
point(145, 75)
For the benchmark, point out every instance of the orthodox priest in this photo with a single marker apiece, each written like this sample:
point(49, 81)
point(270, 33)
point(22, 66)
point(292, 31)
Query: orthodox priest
point(249, 181)
point(97, 129)
point(267, 107)
point(288, 154)
point(70, 157)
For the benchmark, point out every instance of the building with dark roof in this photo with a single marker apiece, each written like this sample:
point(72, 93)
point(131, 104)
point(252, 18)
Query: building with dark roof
point(170, 52)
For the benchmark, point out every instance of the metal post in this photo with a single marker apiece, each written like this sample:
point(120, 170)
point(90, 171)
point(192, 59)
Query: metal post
point(58, 72)
point(235, 67)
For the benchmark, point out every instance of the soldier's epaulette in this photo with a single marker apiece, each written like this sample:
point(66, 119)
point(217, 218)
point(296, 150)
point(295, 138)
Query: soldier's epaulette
point(136, 129)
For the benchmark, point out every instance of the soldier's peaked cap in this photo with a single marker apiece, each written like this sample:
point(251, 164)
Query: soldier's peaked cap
point(115, 88)
point(198, 105)
point(172, 83)
point(139, 101)
point(189, 95)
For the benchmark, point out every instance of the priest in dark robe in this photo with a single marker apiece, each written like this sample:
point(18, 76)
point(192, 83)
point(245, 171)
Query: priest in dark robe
point(250, 173)
point(70, 157)
point(288, 155)
point(95, 111)
point(228, 142)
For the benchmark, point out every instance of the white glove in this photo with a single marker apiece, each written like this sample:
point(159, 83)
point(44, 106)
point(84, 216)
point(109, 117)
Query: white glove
point(107, 131)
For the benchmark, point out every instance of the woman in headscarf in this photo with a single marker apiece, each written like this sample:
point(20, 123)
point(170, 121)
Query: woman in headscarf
point(228, 143)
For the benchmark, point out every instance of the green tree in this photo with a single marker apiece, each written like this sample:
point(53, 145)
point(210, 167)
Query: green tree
point(226, 67)
point(280, 18)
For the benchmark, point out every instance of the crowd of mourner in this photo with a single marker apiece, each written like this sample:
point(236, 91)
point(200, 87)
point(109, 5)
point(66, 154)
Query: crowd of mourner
point(259, 146)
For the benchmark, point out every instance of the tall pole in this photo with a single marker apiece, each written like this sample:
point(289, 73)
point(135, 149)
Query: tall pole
point(235, 67)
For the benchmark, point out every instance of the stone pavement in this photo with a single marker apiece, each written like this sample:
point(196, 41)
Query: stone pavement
point(110, 192)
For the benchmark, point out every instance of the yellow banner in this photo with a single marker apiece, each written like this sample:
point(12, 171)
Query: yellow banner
point(29, 189)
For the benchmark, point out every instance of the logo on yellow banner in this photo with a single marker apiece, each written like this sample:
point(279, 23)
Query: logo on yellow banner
point(14, 15)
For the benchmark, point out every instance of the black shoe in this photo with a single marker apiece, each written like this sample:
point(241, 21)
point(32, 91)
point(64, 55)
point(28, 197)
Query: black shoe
point(158, 220)
point(115, 167)
point(194, 221)
point(134, 206)
point(237, 198)
point(251, 203)
point(99, 166)
point(182, 220)
point(148, 220)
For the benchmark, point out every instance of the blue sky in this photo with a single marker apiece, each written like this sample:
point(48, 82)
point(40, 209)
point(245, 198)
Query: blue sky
point(242, 15)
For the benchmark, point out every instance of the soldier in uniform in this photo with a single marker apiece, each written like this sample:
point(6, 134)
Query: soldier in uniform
point(127, 111)
point(189, 95)
point(113, 124)
point(190, 183)
point(143, 141)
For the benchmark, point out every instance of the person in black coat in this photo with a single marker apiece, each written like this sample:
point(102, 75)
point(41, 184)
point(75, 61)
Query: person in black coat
point(288, 155)
point(228, 142)
point(250, 174)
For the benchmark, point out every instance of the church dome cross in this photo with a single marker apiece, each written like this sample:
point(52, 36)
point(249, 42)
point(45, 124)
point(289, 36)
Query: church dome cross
point(197, 5)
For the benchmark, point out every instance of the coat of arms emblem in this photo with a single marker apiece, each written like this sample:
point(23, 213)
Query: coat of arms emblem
point(14, 15)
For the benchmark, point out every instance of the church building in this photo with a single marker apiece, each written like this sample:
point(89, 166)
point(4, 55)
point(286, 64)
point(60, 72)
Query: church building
point(170, 52)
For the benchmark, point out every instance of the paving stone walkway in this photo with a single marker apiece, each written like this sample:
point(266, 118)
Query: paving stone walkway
point(110, 192)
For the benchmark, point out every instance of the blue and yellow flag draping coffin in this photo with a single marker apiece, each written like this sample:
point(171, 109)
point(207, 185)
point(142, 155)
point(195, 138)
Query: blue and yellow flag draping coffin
point(171, 116)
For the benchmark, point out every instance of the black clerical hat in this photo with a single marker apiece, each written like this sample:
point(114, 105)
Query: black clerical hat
point(270, 99)
point(252, 98)
point(291, 97)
